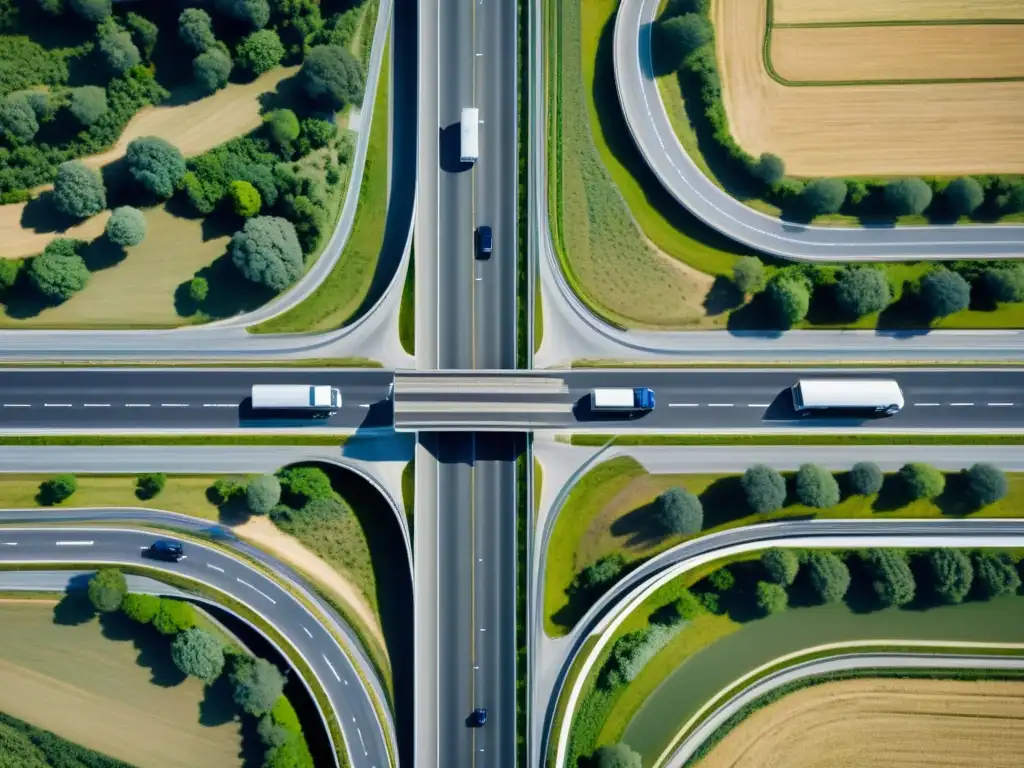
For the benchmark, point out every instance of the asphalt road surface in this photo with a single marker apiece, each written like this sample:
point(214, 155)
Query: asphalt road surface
point(363, 734)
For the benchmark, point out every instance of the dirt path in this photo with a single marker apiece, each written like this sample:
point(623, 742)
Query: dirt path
point(261, 531)
point(882, 723)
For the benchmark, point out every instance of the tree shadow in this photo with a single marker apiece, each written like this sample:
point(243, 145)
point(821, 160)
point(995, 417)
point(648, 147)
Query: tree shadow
point(288, 94)
point(723, 502)
point(231, 511)
point(229, 294)
point(74, 609)
point(723, 297)
point(102, 253)
point(892, 496)
point(153, 650)
point(756, 315)
point(954, 500)
point(218, 705)
point(40, 215)
point(906, 313)
point(640, 525)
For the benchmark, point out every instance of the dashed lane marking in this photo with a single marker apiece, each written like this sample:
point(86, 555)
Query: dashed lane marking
point(74, 543)
point(136, 405)
point(174, 405)
point(306, 631)
point(1000, 405)
point(331, 667)
point(17, 405)
point(97, 405)
point(256, 589)
point(215, 567)
point(961, 405)
point(927, 405)
point(56, 405)
point(683, 405)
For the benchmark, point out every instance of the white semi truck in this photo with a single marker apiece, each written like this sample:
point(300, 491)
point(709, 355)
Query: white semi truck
point(320, 401)
point(470, 134)
point(882, 396)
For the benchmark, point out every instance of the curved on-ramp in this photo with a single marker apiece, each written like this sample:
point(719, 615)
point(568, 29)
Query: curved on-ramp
point(365, 742)
point(653, 134)
point(608, 613)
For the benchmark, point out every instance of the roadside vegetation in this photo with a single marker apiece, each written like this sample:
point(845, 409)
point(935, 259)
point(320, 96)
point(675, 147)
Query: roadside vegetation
point(25, 744)
point(258, 207)
point(773, 604)
point(638, 259)
point(618, 515)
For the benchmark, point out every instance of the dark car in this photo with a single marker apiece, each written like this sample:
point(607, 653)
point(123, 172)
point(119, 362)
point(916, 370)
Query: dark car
point(172, 551)
point(478, 718)
point(485, 241)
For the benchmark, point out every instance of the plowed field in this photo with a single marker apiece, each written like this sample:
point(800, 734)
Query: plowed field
point(845, 11)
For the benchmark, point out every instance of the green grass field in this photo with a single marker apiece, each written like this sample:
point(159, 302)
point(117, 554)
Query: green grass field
point(111, 686)
point(608, 512)
point(340, 296)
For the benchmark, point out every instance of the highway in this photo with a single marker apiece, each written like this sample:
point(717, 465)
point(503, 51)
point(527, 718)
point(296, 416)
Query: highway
point(353, 710)
point(652, 131)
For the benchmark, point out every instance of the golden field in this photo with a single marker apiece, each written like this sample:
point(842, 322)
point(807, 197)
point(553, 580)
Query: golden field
point(955, 52)
point(880, 130)
point(846, 11)
point(882, 724)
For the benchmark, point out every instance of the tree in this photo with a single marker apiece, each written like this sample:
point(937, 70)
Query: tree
point(257, 684)
point(862, 291)
point(51, 7)
point(260, 52)
point(317, 133)
point(283, 126)
point(254, 13)
point(93, 11)
point(816, 487)
point(78, 190)
point(149, 484)
point(865, 478)
point(891, 578)
point(615, 756)
point(18, 122)
point(921, 481)
point(126, 226)
point(195, 28)
point(986, 484)
point(995, 574)
point(156, 164)
point(117, 47)
point(211, 69)
point(305, 484)
point(771, 597)
point(906, 197)
point(107, 589)
point(40, 102)
point(59, 272)
point(769, 169)
point(680, 36)
point(722, 579)
point(952, 574)
point(197, 653)
point(57, 489)
point(748, 274)
point(823, 196)
point(964, 196)
point(267, 251)
point(1004, 283)
point(828, 576)
point(332, 76)
point(245, 200)
point(143, 31)
point(9, 271)
point(944, 292)
point(790, 298)
point(1013, 201)
point(678, 511)
point(781, 565)
point(262, 494)
point(594, 580)
point(140, 608)
point(88, 103)
point(198, 289)
point(174, 616)
point(764, 489)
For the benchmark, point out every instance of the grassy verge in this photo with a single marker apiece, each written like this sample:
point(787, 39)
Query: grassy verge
point(609, 512)
point(591, 363)
point(522, 637)
point(538, 484)
point(876, 439)
point(409, 490)
point(196, 440)
point(407, 309)
point(312, 362)
point(340, 296)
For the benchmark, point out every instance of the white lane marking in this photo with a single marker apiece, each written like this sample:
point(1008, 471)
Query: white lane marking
point(757, 405)
point(331, 667)
point(256, 589)
point(56, 405)
point(363, 743)
point(10, 543)
point(136, 405)
point(956, 405)
point(97, 405)
point(74, 543)
point(926, 405)
point(364, 405)
point(482, 629)
point(17, 405)
point(1000, 405)
point(683, 405)
point(306, 631)
point(174, 405)
point(216, 568)
point(220, 405)
point(719, 405)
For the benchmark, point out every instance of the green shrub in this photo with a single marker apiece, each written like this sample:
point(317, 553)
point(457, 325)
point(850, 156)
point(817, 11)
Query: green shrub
point(748, 274)
point(721, 579)
point(93, 11)
point(140, 608)
point(771, 597)
point(764, 489)
point(816, 487)
point(615, 756)
point(677, 511)
point(790, 299)
point(781, 565)
point(828, 576)
point(174, 616)
point(126, 226)
point(88, 103)
point(245, 200)
point(257, 685)
point(283, 126)
point(769, 169)
point(332, 76)
point(59, 272)
point(149, 484)
point(115, 43)
point(9, 271)
point(195, 28)
point(865, 478)
point(211, 69)
point(631, 653)
point(199, 654)
point(156, 164)
point(823, 196)
point(281, 734)
point(596, 579)
point(18, 123)
point(862, 291)
point(680, 36)
point(905, 197)
point(253, 13)
point(225, 489)
point(143, 31)
point(964, 196)
point(78, 190)
point(304, 484)
point(986, 484)
point(267, 251)
point(945, 292)
point(952, 574)
point(891, 578)
point(260, 52)
point(921, 481)
point(57, 489)
point(995, 574)
point(198, 289)
point(107, 588)
point(1004, 283)
point(263, 494)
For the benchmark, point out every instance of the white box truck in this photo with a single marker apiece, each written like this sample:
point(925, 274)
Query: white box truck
point(622, 399)
point(321, 401)
point(470, 127)
point(877, 395)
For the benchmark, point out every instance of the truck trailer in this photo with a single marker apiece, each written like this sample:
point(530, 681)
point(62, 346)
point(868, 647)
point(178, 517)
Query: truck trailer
point(321, 401)
point(881, 396)
point(470, 134)
point(622, 399)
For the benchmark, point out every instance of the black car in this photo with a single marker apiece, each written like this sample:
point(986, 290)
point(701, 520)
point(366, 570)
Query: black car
point(172, 551)
point(485, 241)
point(478, 718)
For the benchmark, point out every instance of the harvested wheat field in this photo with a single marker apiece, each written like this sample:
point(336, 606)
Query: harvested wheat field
point(880, 130)
point(883, 723)
point(950, 52)
point(844, 12)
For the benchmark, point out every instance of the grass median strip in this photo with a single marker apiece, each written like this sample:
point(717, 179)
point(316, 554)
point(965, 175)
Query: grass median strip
point(802, 439)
